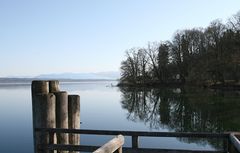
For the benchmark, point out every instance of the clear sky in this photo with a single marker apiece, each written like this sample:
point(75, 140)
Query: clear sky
point(56, 36)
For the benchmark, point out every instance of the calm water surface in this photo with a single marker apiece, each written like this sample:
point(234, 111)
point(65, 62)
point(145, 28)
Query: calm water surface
point(111, 108)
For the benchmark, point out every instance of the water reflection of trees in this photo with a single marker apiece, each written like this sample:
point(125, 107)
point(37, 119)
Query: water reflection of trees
point(183, 110)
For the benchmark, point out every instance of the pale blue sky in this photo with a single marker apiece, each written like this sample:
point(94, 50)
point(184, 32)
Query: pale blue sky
point(55, 36)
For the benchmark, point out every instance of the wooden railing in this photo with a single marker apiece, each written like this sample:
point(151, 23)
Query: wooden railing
point(228, 140)
point(234, 143)
point(112, 146)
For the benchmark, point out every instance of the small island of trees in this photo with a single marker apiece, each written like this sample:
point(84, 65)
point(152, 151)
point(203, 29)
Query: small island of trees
point(200, 56)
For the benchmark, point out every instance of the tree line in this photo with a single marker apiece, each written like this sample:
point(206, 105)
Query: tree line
point(200, 56)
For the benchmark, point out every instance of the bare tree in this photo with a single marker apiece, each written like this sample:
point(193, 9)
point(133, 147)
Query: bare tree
point(163, 60)
point(152, 52)
point(234, 22)
point(143, 64)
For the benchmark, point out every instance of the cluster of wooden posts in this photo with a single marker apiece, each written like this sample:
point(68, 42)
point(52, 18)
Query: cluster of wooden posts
point(53, 108)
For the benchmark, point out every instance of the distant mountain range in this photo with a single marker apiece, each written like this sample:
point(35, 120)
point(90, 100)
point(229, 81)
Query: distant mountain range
point(64, 77)
point(100, 75)
point(111, 75)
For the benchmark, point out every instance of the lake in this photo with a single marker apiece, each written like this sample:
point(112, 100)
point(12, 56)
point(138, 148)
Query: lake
point(104, 107)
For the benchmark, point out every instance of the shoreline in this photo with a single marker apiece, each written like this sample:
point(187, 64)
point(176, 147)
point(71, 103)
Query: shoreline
point(225, 86)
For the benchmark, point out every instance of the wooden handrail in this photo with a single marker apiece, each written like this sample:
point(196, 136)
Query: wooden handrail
point(234, 140)
point(87, 148)
point(136, 133)
point(112, 145)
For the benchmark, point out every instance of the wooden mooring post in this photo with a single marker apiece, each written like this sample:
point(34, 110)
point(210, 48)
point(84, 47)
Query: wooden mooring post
point(62, 117)
point(74, 118)
point(50, 109)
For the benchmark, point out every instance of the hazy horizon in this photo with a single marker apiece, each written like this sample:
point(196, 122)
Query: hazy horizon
point(109, 75)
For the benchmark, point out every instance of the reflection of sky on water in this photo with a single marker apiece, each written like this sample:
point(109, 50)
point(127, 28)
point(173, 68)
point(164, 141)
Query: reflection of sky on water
point(100, 109)
point(16, 119)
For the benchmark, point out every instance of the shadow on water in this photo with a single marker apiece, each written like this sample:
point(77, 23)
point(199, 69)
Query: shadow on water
point(184, 110)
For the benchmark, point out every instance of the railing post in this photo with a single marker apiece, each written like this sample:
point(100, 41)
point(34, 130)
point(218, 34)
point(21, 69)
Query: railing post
point(134, 142)
point(225, 145)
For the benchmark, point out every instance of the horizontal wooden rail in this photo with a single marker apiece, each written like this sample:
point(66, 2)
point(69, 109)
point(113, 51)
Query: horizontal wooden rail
point(67, 147)
point(111, 146)
point(87, 148)
point(136, 133)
